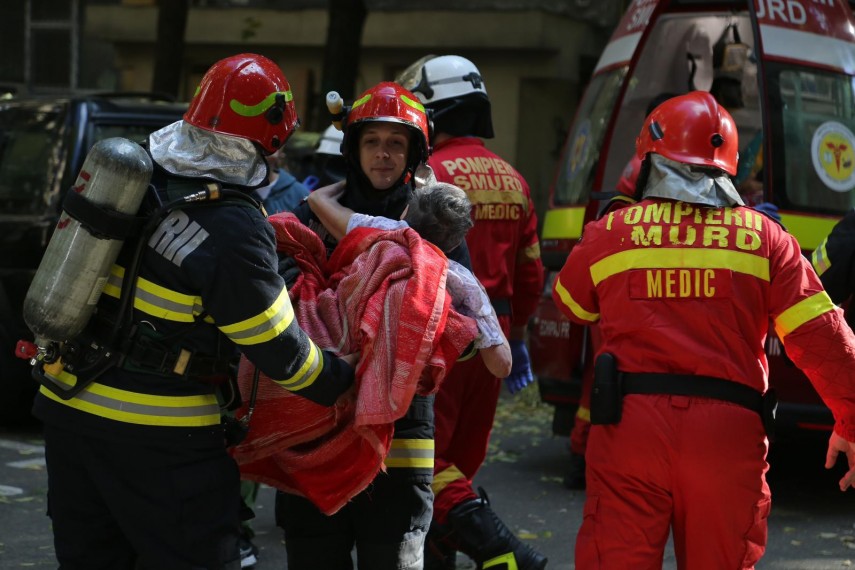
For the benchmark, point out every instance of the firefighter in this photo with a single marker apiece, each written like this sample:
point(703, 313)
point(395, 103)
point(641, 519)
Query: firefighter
point(506, 259)
point(327, 165)
point(683, 285)
point(138, 472)
point(386, 138)
point(834, 262)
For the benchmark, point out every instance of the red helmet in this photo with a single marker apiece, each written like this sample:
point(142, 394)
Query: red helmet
point(391, 103)
point(693, 129)
point(246, 96)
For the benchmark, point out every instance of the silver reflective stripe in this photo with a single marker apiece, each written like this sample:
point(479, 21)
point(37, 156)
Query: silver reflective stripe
point(137, 408)
point(413, 453)
point(264, 326)
point(308, 372)
point(156, 300)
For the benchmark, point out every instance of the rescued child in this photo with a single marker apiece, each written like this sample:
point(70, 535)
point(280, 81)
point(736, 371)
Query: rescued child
point(440, 214)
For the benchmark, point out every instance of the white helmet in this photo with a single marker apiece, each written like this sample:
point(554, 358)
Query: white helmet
point(437, 78)
point(452, 88)
point(330, 141)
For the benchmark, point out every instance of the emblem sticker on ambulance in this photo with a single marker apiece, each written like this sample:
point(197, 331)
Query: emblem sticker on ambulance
point(833, 155)
point(579, 150)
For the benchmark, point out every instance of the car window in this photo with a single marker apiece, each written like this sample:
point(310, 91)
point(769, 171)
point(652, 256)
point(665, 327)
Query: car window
point(30, 157)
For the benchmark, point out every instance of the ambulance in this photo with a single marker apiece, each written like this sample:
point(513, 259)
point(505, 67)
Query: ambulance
point(785, 69)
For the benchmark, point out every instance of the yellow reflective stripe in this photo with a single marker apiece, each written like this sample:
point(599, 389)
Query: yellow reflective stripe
point(670, 258)
point(417, 105)
point(156, 300)
point(265, 326)
point(497, 197)
point(564, 223)
point(442, 479)
point(261, 107)
point(308, 372)
point(506, 561)
point(808, 230)
point(136, 408)
point(360, 102)
point(530, 253)
point(416, 453)
point(802, 312)
point(820, 260)
point(583, 413)
point(571, 303)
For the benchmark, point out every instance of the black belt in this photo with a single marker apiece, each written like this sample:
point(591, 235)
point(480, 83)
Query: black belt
point(691, 385)
point(501, 306)
point(149, 356)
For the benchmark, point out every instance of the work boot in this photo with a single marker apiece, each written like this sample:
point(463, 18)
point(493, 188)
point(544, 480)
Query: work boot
point(480, 534)
point(574, 478)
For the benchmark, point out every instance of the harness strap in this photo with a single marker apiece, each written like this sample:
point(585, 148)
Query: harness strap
point(691, 385)
point(100, 221)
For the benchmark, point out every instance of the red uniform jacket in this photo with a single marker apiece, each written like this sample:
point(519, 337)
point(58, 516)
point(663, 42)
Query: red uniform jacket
point(503, 243)
point(680, 288)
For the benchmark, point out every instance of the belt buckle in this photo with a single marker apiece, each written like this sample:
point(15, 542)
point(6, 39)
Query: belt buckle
point(182, 362)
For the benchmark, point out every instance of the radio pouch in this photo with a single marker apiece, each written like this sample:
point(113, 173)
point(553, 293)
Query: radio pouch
point(607, 392)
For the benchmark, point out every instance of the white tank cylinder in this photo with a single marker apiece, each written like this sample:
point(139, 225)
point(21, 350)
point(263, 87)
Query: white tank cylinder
point(76, 264)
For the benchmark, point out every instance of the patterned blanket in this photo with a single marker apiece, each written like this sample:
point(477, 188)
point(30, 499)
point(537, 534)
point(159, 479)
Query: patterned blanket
point(381, 294)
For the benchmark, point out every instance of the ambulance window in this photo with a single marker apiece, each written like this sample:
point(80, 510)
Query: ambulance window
point(577, 167)
point(814, 152)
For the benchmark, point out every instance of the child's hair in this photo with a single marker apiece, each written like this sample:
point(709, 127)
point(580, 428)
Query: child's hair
point(441, 214)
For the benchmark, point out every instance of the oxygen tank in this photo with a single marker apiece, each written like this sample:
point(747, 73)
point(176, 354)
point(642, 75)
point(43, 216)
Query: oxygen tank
point(76, 264)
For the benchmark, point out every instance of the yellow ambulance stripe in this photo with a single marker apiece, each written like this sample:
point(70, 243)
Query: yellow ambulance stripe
point(808, 230)
point(802, 312)
point(672, 258)
point(564, 223)
point(442, 479)
point(264, 326)
point(571, 304)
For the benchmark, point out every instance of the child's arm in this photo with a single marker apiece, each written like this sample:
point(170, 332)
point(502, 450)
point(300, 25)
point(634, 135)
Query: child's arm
point(324, 204)
point(498, 359)
point(469, 298)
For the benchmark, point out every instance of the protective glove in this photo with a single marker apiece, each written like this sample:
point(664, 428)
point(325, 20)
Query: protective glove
point(520, 375)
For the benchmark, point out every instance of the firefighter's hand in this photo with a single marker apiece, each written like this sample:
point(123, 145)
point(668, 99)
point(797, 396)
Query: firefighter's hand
point(836, 446)
point(520, 375)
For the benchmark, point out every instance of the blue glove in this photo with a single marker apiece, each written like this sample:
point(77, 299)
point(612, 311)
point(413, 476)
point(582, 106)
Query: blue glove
point(520, 375)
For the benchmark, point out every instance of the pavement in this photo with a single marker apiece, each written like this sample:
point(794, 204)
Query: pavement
point(811, 526)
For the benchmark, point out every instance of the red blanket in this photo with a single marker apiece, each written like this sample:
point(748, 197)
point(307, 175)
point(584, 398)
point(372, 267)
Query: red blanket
point(381, 294)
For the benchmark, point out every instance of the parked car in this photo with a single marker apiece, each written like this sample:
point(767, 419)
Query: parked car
point(43, 143)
